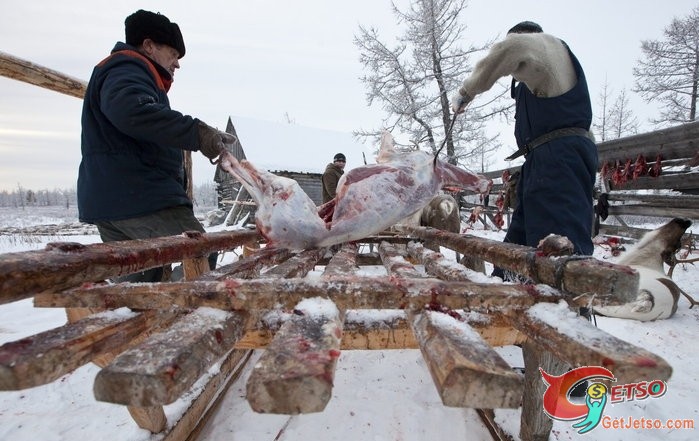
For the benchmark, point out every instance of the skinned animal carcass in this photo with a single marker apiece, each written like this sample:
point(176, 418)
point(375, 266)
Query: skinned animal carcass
point(369, 198)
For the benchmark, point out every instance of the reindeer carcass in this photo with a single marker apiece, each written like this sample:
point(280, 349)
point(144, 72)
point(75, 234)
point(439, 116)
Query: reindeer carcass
point(369, 199)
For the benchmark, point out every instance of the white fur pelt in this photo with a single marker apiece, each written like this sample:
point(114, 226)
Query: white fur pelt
point(657, 293)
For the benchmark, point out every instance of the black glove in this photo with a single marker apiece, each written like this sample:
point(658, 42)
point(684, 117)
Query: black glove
point(212, 142)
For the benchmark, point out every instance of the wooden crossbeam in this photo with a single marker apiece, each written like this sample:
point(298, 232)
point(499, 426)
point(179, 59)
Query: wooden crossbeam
point(395, 263)
point(347, 292)
point(295, 374)
point(297, 266)
point(249, 267)
point(465, 369)
point(66, 265)
point(344, 262)
point(574, 340)
point(158, 370)
point(45, 357)
point(615, 283)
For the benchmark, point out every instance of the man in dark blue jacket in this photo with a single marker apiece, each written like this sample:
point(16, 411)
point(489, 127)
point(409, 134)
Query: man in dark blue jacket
point(131, 181)
point(552, 121)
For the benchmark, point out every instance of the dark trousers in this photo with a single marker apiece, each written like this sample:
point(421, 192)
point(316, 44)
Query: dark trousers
point(167, 222)
point(554, 195)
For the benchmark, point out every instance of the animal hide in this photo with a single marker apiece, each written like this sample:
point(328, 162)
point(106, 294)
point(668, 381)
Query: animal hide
point(658, 294)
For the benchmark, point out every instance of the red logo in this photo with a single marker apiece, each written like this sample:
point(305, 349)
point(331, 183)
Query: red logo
point(556, 402)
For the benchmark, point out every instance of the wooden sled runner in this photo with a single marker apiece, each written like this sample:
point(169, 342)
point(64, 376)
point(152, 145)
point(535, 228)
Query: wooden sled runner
point(155, 341)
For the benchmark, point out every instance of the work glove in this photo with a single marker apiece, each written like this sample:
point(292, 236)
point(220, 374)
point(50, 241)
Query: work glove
point(213, 142)
point(459, 101)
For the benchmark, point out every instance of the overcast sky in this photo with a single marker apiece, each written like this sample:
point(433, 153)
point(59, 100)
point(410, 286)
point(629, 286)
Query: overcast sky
point(271, 60)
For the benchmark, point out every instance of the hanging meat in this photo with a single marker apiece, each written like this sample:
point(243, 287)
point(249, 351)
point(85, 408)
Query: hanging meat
point(369, 198)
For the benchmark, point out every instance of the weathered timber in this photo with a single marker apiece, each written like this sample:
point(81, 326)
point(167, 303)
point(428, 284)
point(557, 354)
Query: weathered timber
point(45, 357)
point(395, 263)
point(28, 72)
point(347, 292)
point(388, 329)
point(535, 425)
point(616, 283)
point(152, 418)
point(676, 142)
point(657, 200)
point(679, 181)
point(648, 210)
point(157, 371)
point(437, 265)
point(297, 266)
point(65, 265)
point(249, 267)
point(295, 374)
point(576, 341)
point(465, 369)
point(344, 262)
point(190, 425)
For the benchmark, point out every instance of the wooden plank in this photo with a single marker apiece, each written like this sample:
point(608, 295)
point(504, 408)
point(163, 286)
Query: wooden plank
point(679, 181)
point(348, 292)
point(65, 265)
point(588, 276)
point(395, 263)
point(656, 200)
point(648, 210)
point(47, 356)
point(197, 414)
point(297, 266)
point(574, 340)
point(295, 374)
point(28, 72)
point(250, 266)
point(344, 262)
point(465, 369)
point(437, 265)
point(387, 329)
point(670, 142)
point(157, 371)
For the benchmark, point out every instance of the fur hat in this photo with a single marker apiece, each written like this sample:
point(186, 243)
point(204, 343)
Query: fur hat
point(339, 157)
point(525, 27)
point(145, 24)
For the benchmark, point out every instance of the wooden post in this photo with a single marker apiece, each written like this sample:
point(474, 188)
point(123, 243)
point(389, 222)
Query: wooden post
point(535, 425)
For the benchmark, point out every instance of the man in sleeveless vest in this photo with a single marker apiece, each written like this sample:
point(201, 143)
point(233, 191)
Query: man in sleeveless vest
point(552, 121)
point(131, 180)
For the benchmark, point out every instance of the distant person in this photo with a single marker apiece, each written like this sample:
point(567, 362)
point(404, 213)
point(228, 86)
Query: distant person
point(131, 181)
point(331, 176)
point(552, 121)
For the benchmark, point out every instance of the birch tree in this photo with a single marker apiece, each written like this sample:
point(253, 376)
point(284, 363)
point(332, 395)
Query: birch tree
point(669, 71)
point(413, 79)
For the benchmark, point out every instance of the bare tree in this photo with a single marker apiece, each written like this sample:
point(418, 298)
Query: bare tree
point(614, 120)
point(601, 123)
point(669, 73)
point(623, 121)
point(412, 82)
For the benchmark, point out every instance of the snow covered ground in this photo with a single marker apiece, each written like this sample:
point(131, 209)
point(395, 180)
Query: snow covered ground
point(378, 395)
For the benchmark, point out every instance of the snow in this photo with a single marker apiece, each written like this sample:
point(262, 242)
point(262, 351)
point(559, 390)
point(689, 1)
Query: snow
point(377, 395)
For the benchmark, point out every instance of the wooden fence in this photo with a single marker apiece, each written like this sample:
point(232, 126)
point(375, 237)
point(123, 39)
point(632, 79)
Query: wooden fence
point(654, 175)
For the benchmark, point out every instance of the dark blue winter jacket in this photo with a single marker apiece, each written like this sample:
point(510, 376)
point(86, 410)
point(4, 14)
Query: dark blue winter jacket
point(132, 142)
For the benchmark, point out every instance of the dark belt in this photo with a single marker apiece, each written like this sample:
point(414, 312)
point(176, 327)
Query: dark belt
point(550, 136)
